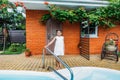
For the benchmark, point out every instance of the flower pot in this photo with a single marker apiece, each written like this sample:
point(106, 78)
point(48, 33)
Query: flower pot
point(27, 54)
point(111, 48)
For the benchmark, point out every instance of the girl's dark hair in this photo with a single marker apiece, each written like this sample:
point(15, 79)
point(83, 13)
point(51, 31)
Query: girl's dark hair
point(58, 30)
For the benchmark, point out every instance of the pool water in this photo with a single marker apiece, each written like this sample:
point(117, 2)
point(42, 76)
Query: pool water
point(26, 75)
point(80, 73)
point(22, 77)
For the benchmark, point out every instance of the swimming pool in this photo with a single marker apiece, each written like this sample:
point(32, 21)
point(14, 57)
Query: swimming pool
point(80, 73)
point(26, 75)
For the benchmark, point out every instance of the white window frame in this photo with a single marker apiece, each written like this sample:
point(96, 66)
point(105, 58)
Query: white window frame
point(92, 35)
point(96, 33)
point(86, 25)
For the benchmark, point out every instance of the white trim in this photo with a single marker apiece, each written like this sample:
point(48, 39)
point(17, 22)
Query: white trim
point(39, 5)
point(68, 3)
point(96, 33)
point(83, 1)
point(91, 35)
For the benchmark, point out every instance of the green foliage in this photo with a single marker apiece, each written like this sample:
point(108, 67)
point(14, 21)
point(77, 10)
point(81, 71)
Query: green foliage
point(104, 16)
point(27, 50)
point(45, 18)
point(10, 15)
point(81, 14)
point(15, 48)
point(119, 54)
point(24, 45)
point(113, 0)
point(72, 17)
point(3, 2)
point(58, 14)
point(110, 42)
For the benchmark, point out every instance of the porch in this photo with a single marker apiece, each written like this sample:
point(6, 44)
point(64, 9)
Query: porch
point(34, 63)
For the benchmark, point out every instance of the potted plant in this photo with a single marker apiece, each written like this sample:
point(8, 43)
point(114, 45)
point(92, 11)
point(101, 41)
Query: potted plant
point(27, 52)
point(110, 45)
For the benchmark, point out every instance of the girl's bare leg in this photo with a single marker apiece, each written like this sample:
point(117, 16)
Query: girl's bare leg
point(57, 65)
point(60, 65)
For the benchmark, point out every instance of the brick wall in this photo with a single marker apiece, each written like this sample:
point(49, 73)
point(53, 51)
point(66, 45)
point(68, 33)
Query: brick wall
point(96, 43)
point(35, 32)
point(71, 33)
point(36, 35)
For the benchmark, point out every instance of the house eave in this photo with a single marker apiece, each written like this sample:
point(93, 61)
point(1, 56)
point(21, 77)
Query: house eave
point(39, 5)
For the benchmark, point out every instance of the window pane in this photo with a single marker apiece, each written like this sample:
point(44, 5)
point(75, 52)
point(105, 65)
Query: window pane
point(92, 30)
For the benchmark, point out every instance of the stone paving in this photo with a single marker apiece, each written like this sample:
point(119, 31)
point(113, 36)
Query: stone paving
point(34, 63)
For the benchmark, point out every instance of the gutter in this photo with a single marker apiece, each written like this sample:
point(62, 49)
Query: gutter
point(74, 3)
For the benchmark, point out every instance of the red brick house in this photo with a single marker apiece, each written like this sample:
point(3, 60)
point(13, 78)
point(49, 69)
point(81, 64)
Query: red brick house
point(36, 32)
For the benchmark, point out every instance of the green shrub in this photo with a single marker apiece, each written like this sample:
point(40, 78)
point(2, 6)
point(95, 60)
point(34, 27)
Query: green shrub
point(24, 45)
point(119, 54)
point(15, 48)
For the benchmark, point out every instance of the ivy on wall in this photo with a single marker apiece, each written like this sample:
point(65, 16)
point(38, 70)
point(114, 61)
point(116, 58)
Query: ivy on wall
point(103, 16)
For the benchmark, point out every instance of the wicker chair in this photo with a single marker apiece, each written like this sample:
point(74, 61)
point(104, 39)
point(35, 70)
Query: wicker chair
point(108, 54)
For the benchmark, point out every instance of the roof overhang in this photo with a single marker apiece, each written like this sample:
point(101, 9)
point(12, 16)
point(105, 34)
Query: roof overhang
point(39, 4)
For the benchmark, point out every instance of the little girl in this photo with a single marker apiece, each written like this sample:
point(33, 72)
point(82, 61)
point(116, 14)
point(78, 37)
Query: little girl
point(59, 46)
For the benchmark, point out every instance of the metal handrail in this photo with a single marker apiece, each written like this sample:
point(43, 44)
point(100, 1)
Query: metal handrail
point(43, 59)
point(60, 60)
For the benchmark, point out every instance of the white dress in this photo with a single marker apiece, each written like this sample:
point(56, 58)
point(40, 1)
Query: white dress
point(59, 46)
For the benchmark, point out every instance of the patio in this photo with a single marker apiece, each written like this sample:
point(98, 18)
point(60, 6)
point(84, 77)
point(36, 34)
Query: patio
point(34, 63)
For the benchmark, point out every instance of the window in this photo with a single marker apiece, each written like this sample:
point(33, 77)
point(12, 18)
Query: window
point(92, 29)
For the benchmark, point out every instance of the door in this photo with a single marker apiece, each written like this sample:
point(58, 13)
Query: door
point(52, 26)
point(84, 40)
